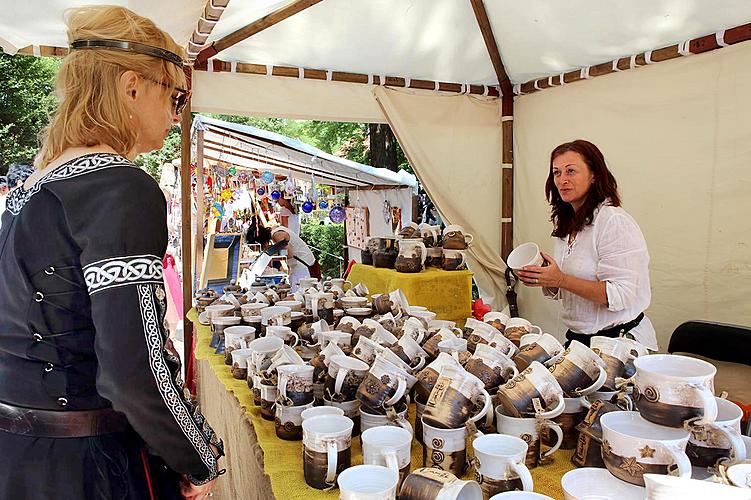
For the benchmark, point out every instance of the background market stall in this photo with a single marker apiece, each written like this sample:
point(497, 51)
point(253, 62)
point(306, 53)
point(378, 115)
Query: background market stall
point(244, 153)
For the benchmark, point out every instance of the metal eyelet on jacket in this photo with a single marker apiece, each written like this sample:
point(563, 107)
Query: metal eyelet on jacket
point(49, 367)
point(38, 337)
point(62, 401)
point(49, 271)
point(38, 296)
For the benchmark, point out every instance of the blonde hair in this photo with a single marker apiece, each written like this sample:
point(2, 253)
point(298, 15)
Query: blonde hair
point(91, 109)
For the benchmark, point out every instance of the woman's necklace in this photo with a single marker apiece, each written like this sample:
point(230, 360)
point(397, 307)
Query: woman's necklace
point(571, 240)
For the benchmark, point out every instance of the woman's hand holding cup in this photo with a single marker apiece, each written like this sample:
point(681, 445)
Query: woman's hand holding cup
point(548, 275)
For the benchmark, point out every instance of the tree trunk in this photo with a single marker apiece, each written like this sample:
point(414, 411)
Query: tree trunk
point(382, 147)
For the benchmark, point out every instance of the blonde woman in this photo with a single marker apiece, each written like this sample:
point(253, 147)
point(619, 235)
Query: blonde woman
point(91, 401)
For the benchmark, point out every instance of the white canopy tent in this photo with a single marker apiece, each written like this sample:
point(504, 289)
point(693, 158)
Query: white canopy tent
point(675, 133)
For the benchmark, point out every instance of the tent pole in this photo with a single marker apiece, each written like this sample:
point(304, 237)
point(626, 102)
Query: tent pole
point(185, 213)
point(507, 175)
point(255, 27)
point(507, 128)
point(200, 208)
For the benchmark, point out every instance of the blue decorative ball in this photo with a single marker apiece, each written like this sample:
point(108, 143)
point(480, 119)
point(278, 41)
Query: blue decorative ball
point(323, 204)
point(267, 177)
point(260, 191)
point(275, 194)
point(337, 214)
point(307, 207)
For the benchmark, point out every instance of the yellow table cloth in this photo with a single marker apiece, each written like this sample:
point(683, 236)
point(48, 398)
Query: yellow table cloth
point(260, 465)
point(446, 293)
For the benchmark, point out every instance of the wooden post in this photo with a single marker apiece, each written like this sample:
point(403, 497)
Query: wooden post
point(507, 175)
point(200, 208)
point(185, 209)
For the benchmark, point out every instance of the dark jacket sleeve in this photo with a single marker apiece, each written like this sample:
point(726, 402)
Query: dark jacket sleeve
point(120, 225)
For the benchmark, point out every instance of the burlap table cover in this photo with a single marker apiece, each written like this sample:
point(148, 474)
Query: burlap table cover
point(446, 293)
point(260, 465)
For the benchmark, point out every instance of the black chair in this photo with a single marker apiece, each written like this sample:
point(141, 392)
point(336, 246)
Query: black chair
point(718, 341)
point(731, 343)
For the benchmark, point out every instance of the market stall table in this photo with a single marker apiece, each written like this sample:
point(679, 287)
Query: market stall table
point(260, 465)
point(446, 293)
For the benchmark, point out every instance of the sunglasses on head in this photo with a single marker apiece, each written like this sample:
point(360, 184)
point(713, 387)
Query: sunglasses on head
point(181, 100)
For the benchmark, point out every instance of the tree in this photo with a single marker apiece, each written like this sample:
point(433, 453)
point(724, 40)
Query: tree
point(383, 146)
point(26, 101)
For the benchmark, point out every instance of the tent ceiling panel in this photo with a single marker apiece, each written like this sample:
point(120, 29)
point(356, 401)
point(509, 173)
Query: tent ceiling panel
point(541, 38)
point(25, 23)
point(253, 144)
point(419, 39)
point(411, 38)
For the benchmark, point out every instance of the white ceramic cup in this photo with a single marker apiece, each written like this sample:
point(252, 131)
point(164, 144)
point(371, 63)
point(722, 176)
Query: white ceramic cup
point(366, 349)
point(239, 337)
point(327, 434)
point(317, 411)
point(297, 380)
point(339, 369)
point(710, 442)
point(518, 395)
point(461, 255)
point(263, 350)
point(285, 333)
point(526, 254)
point(368, 482)
point(633, 446)
point(499, 459)
point(392, 418)
point(579, 370)
point(388, 446)
point(276, 315)
point(670, 389)
point(528, 430)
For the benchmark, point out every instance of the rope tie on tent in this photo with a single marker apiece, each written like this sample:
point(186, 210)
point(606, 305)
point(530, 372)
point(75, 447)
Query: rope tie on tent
point(720, 38)
point(584, 73)
point(210, 21)
point(370, 79)
point(329, 74)
point(615, 64)
point(36, 50)
point(233, 67)
point(648, 57)
point(436, 86)
point(216, 7)
point(210, 65)
point(381, 80)
point(536, 85)
point(269, 70)
point(407, 82)
point(550, 82)
point(485, 90)
point(300, 73)
point(563, 79)
point(684, 48)
point(632, 62)
point(518, 89)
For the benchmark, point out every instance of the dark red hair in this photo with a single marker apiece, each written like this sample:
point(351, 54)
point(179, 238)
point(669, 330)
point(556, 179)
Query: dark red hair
point(565, 220)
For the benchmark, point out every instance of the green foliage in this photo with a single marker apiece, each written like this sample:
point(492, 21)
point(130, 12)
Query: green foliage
point(152, 162)
point(26, 101)
point(326, 241)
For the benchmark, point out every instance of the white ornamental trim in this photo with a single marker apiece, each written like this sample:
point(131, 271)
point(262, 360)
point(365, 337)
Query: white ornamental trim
point(164, 382)
point(121, 271)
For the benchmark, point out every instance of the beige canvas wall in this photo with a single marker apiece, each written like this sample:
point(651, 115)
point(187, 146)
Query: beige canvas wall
point(677, 136)
point(453, 143)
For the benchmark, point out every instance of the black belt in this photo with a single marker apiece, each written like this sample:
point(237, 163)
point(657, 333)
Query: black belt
point(612, 332)
point(61, 424)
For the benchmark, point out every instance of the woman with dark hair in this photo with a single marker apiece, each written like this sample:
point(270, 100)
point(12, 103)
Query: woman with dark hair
point(600, 266)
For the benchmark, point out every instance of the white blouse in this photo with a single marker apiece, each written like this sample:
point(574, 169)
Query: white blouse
point(611, 249)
